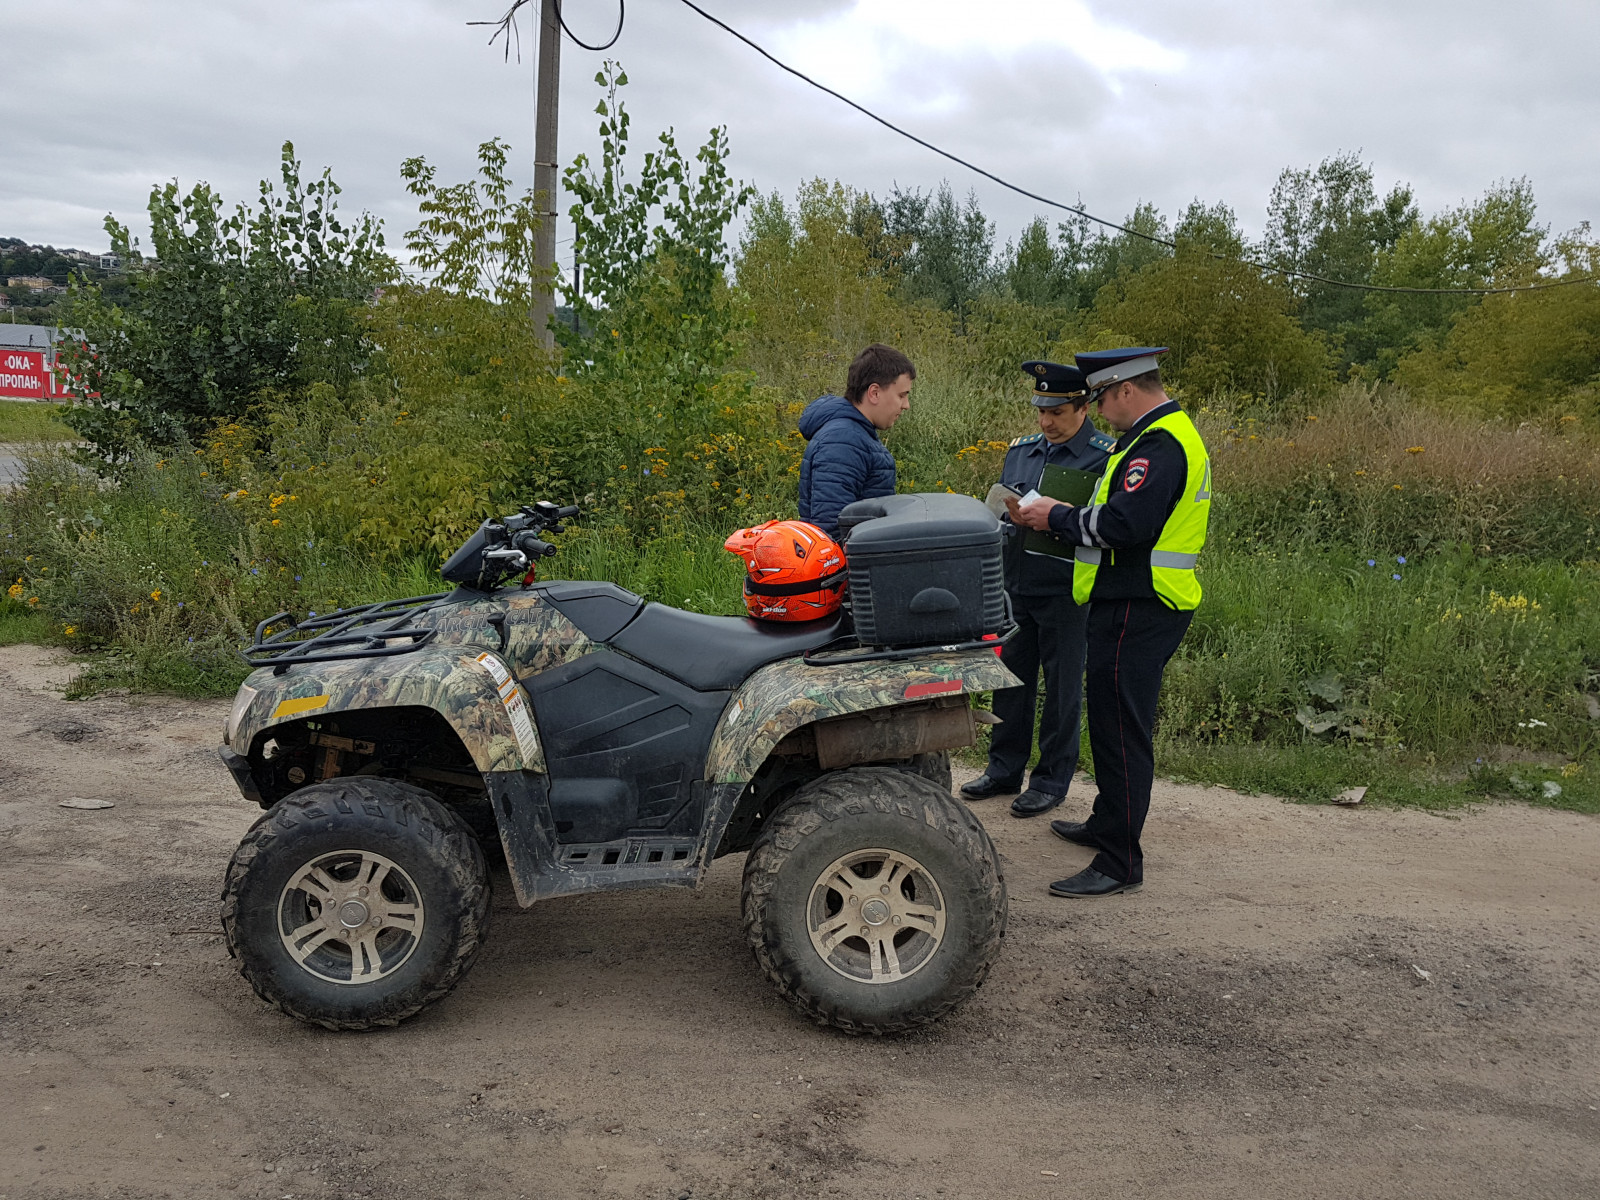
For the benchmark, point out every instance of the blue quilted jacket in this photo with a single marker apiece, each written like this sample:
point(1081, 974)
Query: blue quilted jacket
point(844, 461)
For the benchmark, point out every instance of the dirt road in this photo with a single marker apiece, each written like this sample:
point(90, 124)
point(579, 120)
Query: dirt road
point(1303, 1002)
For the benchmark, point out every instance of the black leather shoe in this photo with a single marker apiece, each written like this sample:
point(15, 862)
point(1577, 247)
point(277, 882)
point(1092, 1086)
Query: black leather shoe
point(1089, 883)
point(983, 788)
point(1076, 832)
point(1033, 803)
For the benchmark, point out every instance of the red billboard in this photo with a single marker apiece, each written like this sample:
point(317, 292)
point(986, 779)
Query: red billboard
point(25, 375)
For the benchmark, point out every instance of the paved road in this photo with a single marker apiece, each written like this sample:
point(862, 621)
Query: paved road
point(10, 465)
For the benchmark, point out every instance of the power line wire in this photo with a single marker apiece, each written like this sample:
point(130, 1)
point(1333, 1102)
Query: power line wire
point(1046, 200)
point(507, 26)
point(622, 15)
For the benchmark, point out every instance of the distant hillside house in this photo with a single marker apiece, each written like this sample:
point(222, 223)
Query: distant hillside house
point(37, 283)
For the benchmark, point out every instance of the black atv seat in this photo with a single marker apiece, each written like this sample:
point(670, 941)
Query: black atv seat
point(713, 654)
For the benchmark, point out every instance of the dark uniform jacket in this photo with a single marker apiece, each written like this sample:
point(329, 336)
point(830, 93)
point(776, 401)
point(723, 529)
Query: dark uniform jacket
point(1086, 450)
point(1131, 519)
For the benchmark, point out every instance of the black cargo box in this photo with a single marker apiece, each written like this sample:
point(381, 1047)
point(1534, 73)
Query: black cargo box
point(925, 569)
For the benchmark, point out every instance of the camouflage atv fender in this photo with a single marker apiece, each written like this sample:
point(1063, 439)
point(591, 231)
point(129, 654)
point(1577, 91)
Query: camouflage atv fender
point(780, 698)
point(471, 687)
point(785, 696)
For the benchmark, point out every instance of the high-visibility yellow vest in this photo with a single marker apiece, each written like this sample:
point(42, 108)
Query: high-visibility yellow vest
point(1176, 551)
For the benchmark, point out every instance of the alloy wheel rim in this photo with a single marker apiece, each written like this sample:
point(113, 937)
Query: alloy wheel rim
point(350, 917)
point(876, 916)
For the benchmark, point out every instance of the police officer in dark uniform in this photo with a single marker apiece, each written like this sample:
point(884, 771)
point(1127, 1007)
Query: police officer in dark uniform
point(1137, 544)
point(1050, 625)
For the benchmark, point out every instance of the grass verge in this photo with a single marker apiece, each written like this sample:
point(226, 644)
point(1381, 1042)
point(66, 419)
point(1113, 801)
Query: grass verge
point(1315, 773)
point(31, 421)
point(19, 624)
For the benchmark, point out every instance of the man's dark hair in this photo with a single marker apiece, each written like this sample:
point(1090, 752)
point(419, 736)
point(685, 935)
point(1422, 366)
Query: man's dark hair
point(877, 364)
point(1150, 381)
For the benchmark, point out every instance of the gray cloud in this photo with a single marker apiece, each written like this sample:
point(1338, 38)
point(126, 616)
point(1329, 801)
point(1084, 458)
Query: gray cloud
point(1448, 96)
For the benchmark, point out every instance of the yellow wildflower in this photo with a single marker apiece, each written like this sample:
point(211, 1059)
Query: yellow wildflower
point(1517, 605)
point(1413, 449)
point(156, 595)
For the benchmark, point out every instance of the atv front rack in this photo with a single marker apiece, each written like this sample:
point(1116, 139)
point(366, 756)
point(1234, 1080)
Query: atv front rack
point(366, 631)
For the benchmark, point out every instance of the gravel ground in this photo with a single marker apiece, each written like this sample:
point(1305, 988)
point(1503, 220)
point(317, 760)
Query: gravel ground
point(1303, 1002)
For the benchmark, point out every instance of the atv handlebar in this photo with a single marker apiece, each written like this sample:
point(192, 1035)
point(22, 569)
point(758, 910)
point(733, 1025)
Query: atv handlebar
point(529, 543)
point(503, 546)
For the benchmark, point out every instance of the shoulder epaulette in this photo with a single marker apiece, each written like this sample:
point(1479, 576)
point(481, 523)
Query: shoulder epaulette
point(1026, 438)
point(1102, 441)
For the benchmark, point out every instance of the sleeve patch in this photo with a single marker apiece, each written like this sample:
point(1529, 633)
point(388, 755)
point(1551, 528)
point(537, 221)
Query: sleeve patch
point(1138, 471)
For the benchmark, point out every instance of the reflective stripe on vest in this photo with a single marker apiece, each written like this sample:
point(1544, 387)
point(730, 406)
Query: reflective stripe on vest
point(1158, 558)
point(1177, 549)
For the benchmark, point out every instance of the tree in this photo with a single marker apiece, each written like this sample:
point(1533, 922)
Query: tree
point(233, 306)
point(950, 248)
point(1035, 270)
point(1518, 353)
point(1229, 329)
point(476, 243)
point(1492, 242)
point(1328, 221)
point(1103, 260)
point(657, 320)
point(1215, 228)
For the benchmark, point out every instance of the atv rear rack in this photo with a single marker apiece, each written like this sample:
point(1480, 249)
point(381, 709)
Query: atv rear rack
point(366, 631)
point(845, 650)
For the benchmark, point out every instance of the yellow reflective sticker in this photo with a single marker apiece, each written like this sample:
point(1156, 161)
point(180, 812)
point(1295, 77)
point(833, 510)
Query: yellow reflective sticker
point(290, 708)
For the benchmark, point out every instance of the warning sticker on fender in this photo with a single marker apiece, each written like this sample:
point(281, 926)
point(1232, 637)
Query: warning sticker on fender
point(919, 691)
point(516, 704)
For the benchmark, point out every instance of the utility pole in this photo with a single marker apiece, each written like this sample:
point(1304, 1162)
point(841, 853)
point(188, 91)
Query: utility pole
point(545, 181)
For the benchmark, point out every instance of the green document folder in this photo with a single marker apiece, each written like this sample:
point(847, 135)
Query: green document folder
point(1060, 483)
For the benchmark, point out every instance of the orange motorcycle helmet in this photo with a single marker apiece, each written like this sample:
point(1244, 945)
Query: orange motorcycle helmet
point(793, 571)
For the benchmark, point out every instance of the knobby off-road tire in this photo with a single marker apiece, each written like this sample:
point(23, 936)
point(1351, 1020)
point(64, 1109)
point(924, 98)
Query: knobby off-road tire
point(354, 903)
point(881, 845)
point(932, 765)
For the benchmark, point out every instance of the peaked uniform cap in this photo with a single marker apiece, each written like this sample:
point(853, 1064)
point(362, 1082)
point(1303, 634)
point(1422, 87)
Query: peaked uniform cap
point(1055, 383)
point(1102, 368)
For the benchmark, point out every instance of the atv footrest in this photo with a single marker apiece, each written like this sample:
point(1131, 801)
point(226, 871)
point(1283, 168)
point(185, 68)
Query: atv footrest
point(628, 853)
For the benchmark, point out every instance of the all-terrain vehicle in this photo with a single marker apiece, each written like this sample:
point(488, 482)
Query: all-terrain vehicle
point(599, 742)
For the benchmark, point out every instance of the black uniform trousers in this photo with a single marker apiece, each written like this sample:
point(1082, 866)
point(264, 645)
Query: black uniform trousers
point(1130, 643)
point(1050, 633)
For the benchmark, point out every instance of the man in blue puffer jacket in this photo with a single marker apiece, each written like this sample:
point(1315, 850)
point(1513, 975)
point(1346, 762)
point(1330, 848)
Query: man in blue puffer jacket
point(844, 460)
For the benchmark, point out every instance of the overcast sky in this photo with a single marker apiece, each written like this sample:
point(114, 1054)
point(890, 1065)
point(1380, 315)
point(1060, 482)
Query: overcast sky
point(1158, 100)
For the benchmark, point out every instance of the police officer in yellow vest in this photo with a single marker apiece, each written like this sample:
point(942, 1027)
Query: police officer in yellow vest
point(1136, 544)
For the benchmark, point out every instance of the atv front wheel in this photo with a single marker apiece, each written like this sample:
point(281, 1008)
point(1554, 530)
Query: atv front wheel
point(356, 902)
point(874, 901)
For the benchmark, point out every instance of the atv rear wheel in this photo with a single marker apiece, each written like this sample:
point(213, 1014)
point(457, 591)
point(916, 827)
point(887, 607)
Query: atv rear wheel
point(874, 901)
point(932, 765)
point(354, 903)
